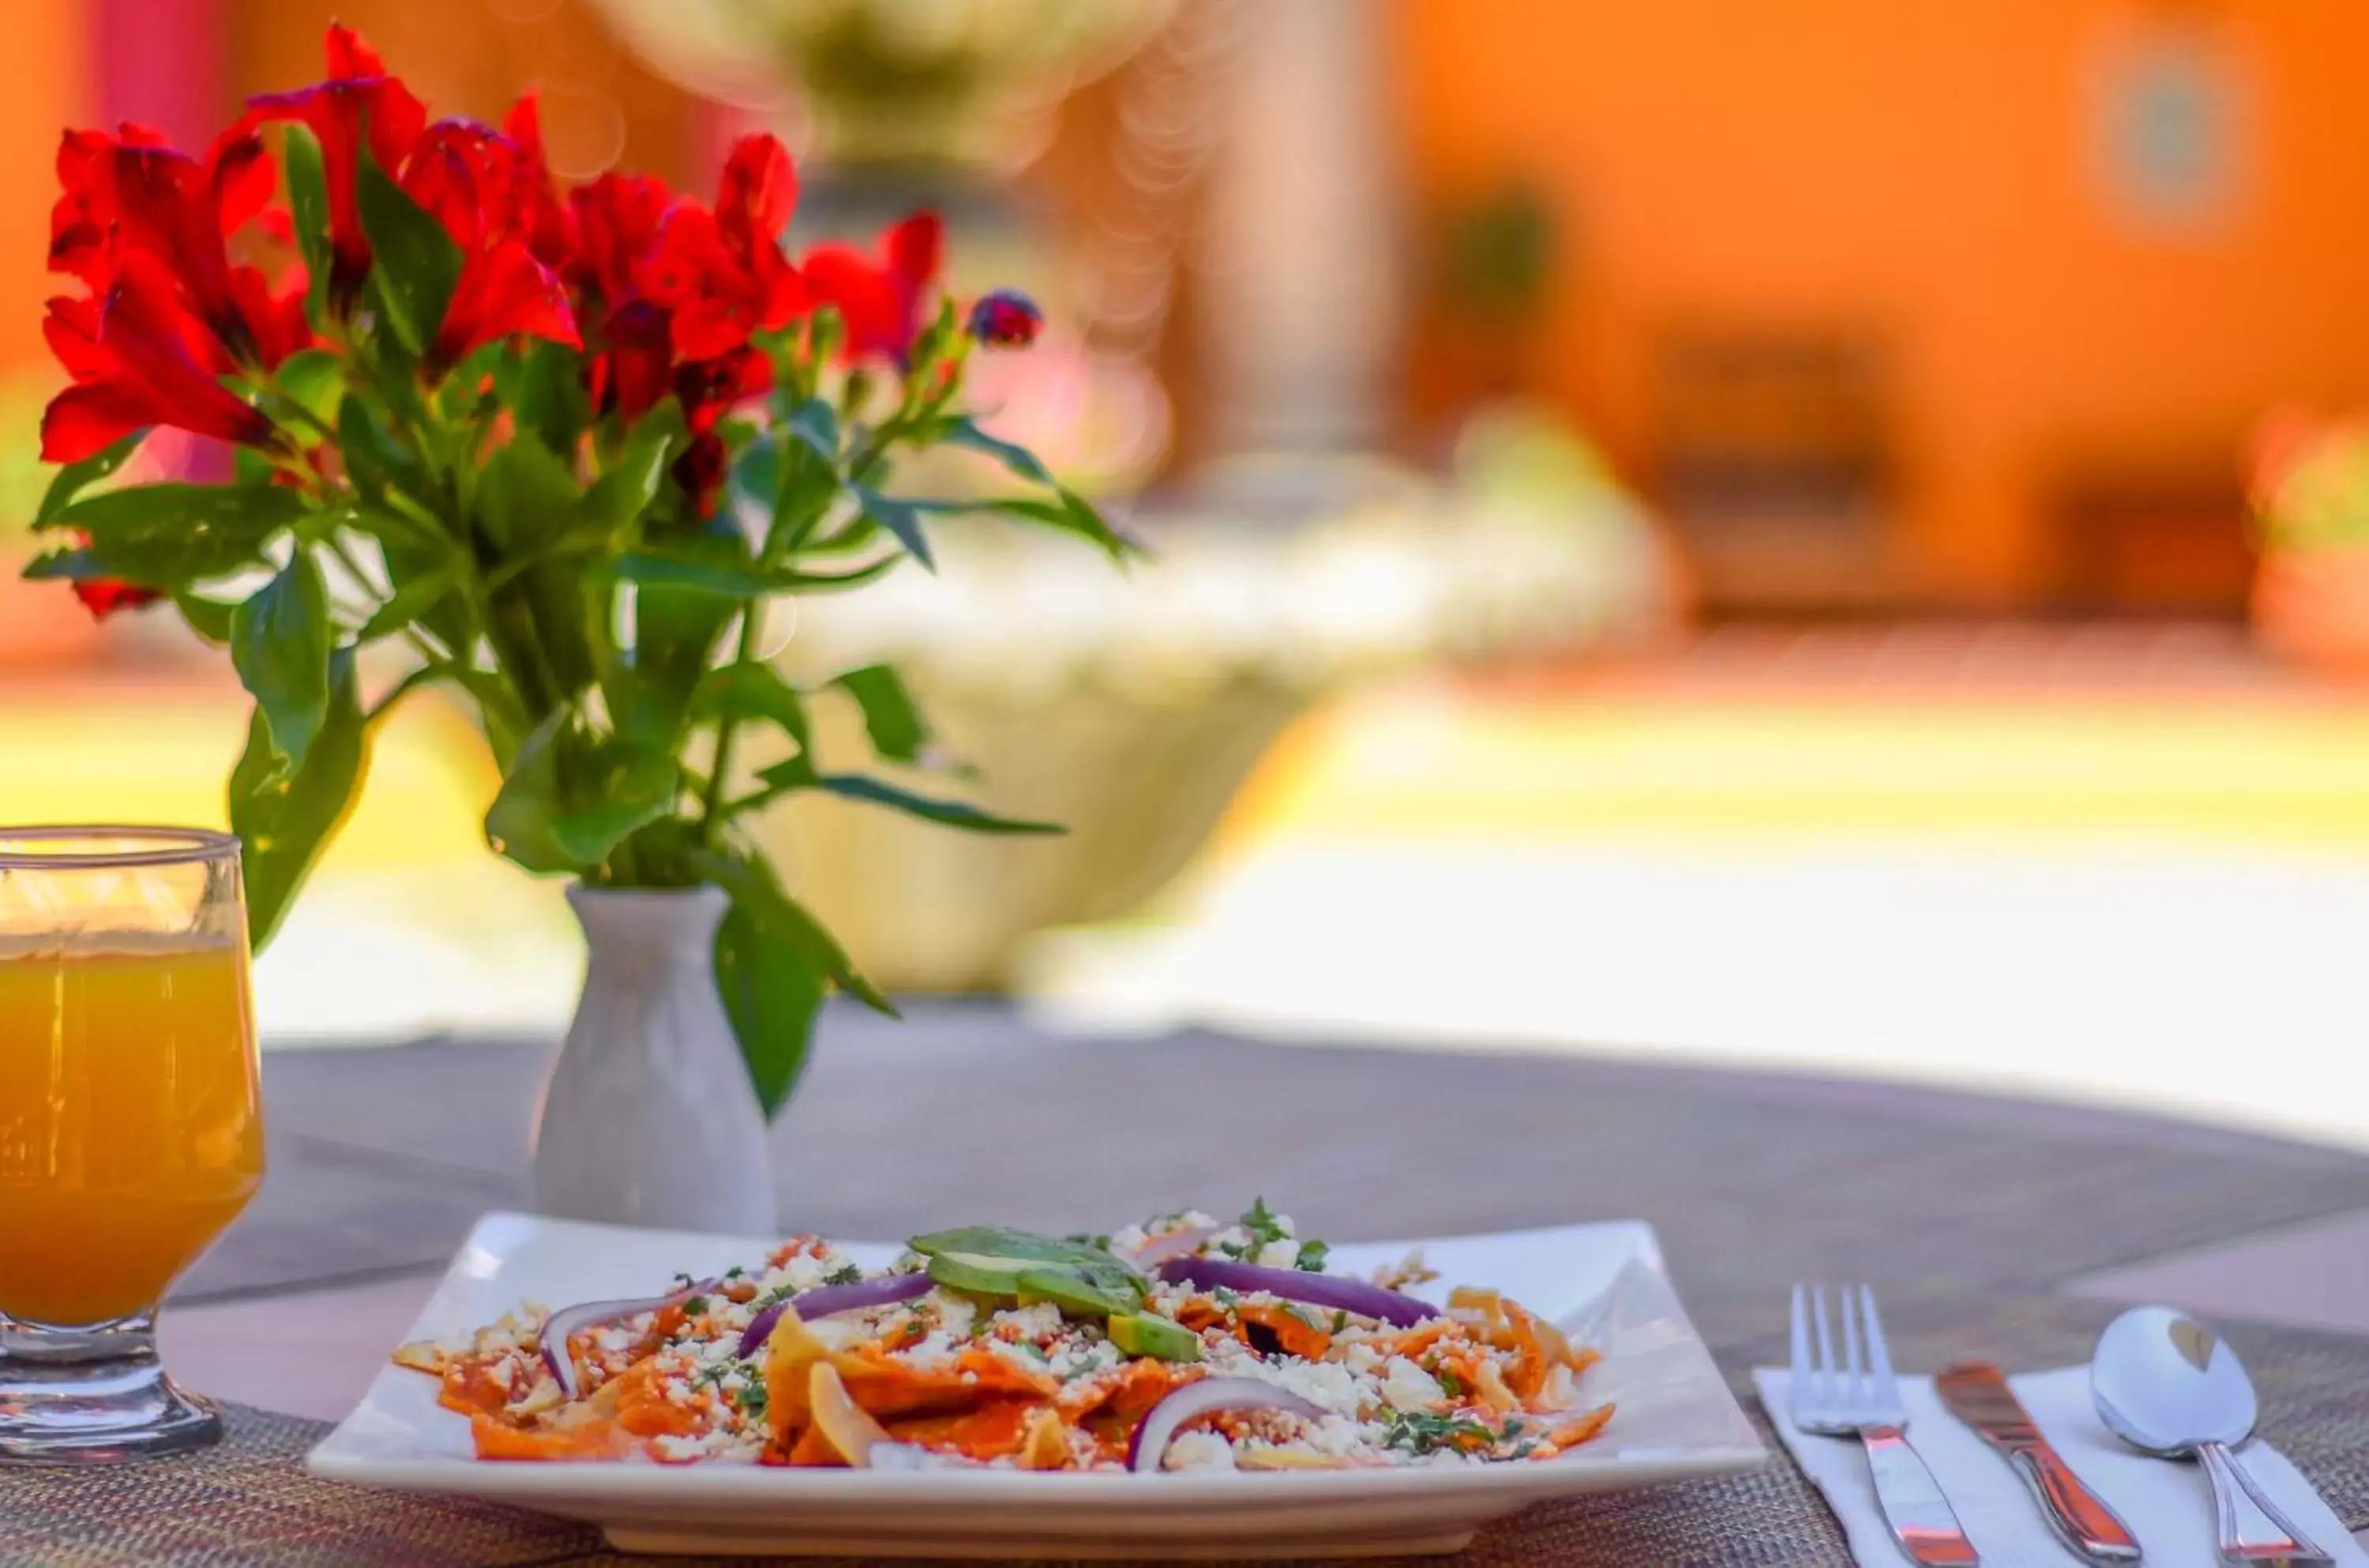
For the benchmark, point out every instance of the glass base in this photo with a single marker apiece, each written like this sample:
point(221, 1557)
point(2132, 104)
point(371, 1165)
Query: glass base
point(94, 1395)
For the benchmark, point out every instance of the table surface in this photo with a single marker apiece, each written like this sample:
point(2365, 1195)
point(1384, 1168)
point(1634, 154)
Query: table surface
point(1991, 1227)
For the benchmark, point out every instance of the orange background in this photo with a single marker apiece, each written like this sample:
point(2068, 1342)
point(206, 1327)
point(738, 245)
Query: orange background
point(1923, 172)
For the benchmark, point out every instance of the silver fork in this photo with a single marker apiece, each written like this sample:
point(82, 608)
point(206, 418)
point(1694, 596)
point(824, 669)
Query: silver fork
point(1859, 1397)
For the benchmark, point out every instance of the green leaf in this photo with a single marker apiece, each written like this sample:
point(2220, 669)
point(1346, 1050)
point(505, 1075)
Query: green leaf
point(755, 890)
point(751, 690)
point(723, 579)
point(773, 990)
point(285, 817)
point(414, 262)
point(571, 799)
point(526, 495)
point(314, 379)
point(541, 385)
point(170, 535)
point(374, 459)
point(815, 423)
point(210, 618)
point(1068, 512)
point(281, 640)
point(75, 478)
point(953, 813)
point(897, 730)
point(411, 599)
point(900, 517)
point(308, 202)
point(964, 432)
point(621, 496)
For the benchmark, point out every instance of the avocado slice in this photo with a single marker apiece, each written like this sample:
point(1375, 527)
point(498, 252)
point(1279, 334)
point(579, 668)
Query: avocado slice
point(1020, 1264)
point(978, 1275)
point(1144, 1333)
point(1080, 1292)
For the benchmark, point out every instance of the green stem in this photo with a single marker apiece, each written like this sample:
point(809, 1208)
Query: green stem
point(711, 816)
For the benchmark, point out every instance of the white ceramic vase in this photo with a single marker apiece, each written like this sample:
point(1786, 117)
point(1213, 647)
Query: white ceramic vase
point(649, 1117)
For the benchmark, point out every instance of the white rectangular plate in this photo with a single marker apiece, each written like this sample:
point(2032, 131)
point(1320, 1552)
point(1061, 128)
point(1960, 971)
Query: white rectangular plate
point(1603, 1284)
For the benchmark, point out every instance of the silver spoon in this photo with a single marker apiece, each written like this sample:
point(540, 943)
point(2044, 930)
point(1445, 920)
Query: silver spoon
point(2166, 1385)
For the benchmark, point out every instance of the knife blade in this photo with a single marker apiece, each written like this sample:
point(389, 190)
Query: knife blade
point(1977, 1393)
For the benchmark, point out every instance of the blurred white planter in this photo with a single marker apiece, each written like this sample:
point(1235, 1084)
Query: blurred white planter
point(1130, 706)
point(649, 1117)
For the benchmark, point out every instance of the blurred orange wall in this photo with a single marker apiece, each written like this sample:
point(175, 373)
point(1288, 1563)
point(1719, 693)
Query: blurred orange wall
point(41, 92)
point(1923, 171)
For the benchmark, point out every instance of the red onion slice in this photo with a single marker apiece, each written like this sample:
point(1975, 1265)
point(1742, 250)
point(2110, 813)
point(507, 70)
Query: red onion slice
point(1333, 1291)
point(1208, 1395)
point(569, 1321)
point(1158, 1250)
point(825, 1300)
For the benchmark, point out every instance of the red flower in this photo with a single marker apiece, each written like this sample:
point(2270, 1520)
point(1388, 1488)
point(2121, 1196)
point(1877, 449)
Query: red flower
point(880, 301)
point(549, 234)
point(722, 274)
point(635, 369)
point(359, 92)
point(709, 389)
point(134, 193)
point(104, 596)
point(471, 178)
point(617, 218)
point(138, 360)
point(501, 291)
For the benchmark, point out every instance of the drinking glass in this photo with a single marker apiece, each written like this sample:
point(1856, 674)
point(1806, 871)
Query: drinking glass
point(130, 1128)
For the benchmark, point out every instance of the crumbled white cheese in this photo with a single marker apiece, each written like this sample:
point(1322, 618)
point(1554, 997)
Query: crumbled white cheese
point(614, 1339)
point(1408, 1387)
point(1042, 1320)
point(1322, 1383)
point(678, 1447)
point(1279, 1254)
point(1198, 1451)
point(954, 1313)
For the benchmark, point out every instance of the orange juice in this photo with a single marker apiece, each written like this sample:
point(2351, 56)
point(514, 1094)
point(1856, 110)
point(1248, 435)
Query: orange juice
point(130, 1129)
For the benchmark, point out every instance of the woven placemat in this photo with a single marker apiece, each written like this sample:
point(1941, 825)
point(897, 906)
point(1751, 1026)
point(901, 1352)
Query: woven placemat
point(249, 1501)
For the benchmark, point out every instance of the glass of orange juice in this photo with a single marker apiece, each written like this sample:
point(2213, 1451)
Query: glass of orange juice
point(130, 1128)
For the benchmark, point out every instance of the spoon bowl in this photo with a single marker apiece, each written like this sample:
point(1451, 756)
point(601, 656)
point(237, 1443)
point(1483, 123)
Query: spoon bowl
point(2167, 1385)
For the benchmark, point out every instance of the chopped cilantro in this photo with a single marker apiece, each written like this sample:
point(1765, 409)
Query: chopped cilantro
point(1512, 1425)
point(695, 1306)
point(845, 1274)
point(1523, 1451)
point(733, 1272)
point(1340, 1322)
point(1225, 1298)
point(714, 1374)
point(751, 1401)
point(1421, 1432)
point(1312, 1256)
point(777, 1295)
point(1260, 1221)
point(684, 1282)
point(1087, 1239)
point(1450, 1382)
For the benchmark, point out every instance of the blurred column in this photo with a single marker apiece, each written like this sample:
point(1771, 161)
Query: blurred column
point(161, 63)
point(1302, 245)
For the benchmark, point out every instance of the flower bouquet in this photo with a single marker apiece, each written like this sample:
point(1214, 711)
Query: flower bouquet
point(565, 447)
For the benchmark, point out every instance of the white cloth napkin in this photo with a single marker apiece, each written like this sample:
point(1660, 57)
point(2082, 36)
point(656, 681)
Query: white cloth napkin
point(2167, 1506)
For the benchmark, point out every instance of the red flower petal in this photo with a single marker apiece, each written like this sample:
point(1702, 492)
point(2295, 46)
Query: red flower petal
point(502, 293)
point(104, 596)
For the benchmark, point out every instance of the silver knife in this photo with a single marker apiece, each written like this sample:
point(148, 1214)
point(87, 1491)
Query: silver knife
point(1977, 1395)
